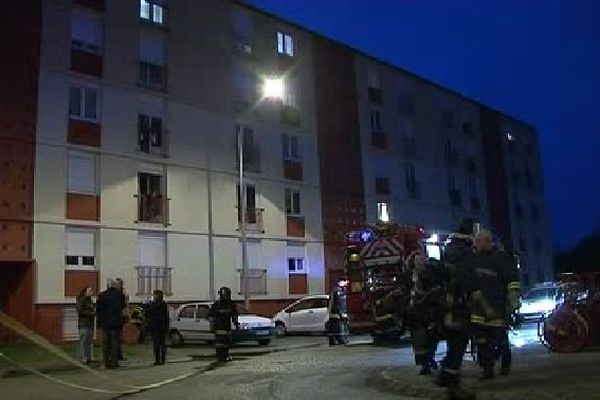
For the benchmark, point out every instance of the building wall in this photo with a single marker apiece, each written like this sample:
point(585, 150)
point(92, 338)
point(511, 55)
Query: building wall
point(200, 124)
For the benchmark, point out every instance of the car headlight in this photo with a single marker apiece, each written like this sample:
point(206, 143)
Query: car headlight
point(244, 326)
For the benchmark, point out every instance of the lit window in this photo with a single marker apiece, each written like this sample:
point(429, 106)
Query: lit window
point(295, 257)
point(152, 12)
point(290, 147)
point(285, 44)
point(433, 251)
point(383, 212)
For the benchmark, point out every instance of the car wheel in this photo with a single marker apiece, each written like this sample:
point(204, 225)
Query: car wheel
point(264, 342)
point(175, 339)
point(280, 329)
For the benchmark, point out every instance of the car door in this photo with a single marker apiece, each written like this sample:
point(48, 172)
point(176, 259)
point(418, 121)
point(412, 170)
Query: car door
point(318, 315)
point(186, 322)
point(300, 316)
point(203, 323)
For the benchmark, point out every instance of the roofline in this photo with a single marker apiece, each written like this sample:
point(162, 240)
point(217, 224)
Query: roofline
point(380, 61)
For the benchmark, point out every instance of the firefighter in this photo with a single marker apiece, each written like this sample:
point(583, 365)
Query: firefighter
point(425, 305)
point(457, 261)
point(494, 290)
point(223, 313)
point(337, 325)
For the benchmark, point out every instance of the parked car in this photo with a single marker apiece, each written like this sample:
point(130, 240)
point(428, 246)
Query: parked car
point(308, 314)
point(190, 323)
point(539, 301)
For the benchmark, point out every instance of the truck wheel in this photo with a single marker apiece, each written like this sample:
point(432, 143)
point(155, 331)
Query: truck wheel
point(280, 329)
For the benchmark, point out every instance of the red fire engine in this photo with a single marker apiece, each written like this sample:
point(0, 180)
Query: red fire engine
point(376, 260)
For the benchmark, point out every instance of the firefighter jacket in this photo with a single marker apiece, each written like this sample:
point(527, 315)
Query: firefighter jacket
point(494, 276)
point(458, 256)
point(427, 295)
point(337, 304)
point(223, 313)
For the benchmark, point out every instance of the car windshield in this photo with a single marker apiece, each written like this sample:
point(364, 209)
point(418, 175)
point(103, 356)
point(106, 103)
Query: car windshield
point(540, 294)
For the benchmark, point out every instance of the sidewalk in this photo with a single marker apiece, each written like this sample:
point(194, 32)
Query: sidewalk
point(536, 375)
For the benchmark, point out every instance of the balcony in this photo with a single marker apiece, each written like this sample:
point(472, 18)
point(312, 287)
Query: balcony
point(153, 76)
point(253, 220)
point(152, 209)
point(292, 169)
point(151, 278)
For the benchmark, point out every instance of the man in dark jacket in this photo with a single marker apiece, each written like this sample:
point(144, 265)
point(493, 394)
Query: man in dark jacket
point(494, 286)
point(158, 322)
point(223, 313)
point(109, 310)
point(457, 259)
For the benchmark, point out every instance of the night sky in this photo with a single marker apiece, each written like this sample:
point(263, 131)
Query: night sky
point(537, 60)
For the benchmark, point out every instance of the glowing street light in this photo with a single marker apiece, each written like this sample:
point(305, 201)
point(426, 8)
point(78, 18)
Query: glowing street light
point(273, 88)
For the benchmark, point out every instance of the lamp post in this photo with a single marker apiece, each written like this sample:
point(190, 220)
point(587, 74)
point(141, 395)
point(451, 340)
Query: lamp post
point(240, 140)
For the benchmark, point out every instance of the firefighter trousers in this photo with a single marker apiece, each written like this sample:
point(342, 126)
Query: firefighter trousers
point(457, 340)
point(492, 342)
point(424, 345)
point(222, 344)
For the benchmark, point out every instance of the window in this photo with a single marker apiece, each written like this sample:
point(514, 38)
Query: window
point(188, 312)
point(81, 173)
point(291, 147)
point(152, 12)
point(295, 256)
point(251, 152)
point(152, 61)
point(373, 78)
point(243, 31)
point(383, 212)
point(409, 174)
point(86, 32)
point(382, 186)
point(257, 281)
point(150, 133)
point(83, 103)
point(475, 204)
point(80, 247)
point(244, 83)
point(151, 200)
point(292, 202)
point(285, 44)
point(152, 272)
point(375, 120)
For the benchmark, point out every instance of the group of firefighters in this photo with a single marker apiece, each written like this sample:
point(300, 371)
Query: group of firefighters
point(470, 294)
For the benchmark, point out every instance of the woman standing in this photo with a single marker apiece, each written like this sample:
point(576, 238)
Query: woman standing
point(85, 314)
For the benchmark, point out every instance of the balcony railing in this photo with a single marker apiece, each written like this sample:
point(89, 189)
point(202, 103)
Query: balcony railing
point(151, 278)
point(153, 76)
point(153, 209)
point(253, 220)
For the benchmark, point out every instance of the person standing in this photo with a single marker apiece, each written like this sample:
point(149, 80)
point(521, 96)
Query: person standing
point(425, 307)
point(158, 322)
point(125, 316)
point(223, 313)
point(85, 319)
point(109, 309)
point(457, 259)
point(337, 325)
point(495, 290)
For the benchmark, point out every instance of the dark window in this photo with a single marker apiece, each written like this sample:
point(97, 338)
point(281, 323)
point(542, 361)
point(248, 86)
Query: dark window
point(188, 312)
point(292, 202)
point(72, 260)
point(375, 95)
point(150, 131)
point(203, 312)
point(378, 139)
point(376, 125)
point(151, 207)
point(87, 260)
point(382, 186)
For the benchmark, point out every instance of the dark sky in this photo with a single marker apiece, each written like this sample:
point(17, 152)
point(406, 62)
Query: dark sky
point(538, 60)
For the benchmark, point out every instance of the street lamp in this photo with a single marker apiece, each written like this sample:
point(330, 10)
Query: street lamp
point(273, 88)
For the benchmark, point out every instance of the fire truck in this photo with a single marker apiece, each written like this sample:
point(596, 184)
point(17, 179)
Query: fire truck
point(378, 283)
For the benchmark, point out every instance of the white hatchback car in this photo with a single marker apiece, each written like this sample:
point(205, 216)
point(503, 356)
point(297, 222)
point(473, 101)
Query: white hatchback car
point(190, 323)
point(308, 314)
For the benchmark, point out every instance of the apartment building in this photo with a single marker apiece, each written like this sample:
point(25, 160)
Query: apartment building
point(139, 107)
point(121, 139)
